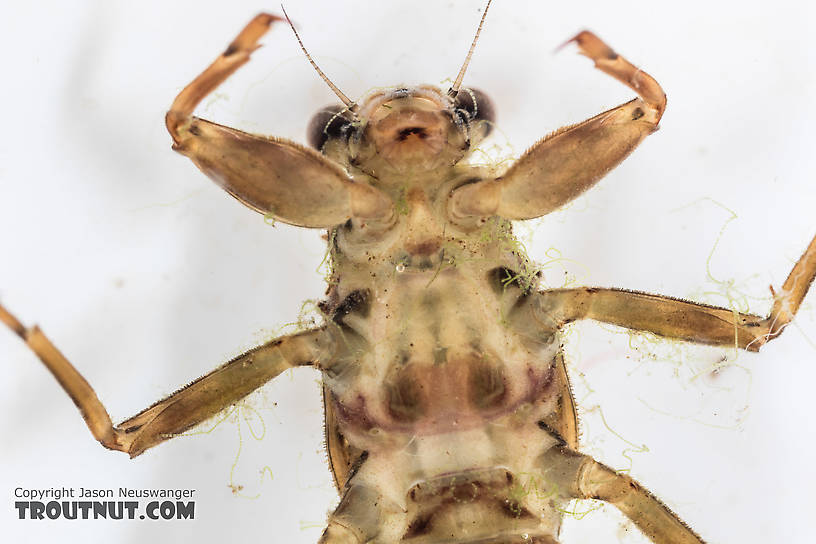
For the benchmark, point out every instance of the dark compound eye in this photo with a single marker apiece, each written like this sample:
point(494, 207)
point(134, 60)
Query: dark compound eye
point(327, 124)
point(474, 105)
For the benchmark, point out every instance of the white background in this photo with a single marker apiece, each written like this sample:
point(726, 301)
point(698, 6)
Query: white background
point(147, 275)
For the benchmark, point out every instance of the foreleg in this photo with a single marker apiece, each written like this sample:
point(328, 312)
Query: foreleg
point(185, 408)
point(270, 175)
point(571, 160)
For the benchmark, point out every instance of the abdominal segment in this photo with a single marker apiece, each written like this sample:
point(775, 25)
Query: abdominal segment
point(487, 505)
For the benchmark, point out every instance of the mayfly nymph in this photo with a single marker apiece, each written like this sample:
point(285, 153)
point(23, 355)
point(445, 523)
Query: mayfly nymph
point(443, 374)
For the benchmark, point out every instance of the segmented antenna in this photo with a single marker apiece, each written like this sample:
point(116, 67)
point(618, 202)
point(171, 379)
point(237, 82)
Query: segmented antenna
point(454, 90)
point(352, 106)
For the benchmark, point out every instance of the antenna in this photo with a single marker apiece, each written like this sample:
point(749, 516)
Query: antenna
point(454, 90)
point(352, 106)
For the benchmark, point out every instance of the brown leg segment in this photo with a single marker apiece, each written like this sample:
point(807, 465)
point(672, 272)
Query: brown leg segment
point(564, 420)
point(793, 291)
point(272, 176)
point(235, 56)
point(681, 319)
point(649, 514)
point(571, 160)
point(185, 408)
point(363, 516)
point(580, 476)
point(609, 62)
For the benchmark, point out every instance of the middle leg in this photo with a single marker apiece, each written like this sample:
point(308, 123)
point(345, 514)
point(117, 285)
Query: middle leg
point(187, 407)
point(681, 319)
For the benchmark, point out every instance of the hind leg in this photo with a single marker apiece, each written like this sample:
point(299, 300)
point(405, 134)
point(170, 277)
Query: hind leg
point(579, 476)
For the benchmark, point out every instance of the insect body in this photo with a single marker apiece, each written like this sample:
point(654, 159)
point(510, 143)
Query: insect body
point(444, 381)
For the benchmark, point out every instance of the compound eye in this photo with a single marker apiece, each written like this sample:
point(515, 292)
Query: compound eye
point(328, 123)
point(476, 106)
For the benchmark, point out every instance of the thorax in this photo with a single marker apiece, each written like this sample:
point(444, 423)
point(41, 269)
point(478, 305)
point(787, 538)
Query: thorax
point(426, 324)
